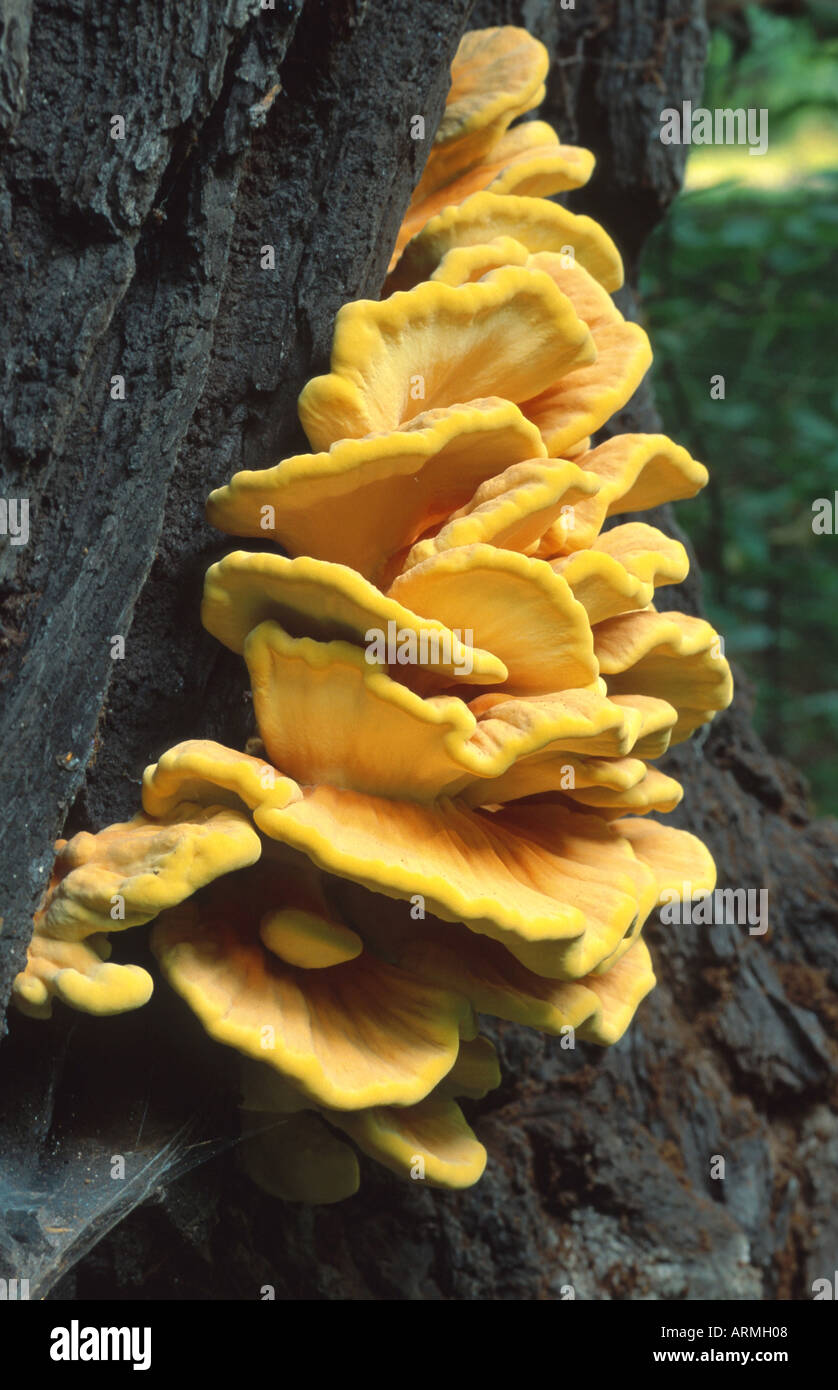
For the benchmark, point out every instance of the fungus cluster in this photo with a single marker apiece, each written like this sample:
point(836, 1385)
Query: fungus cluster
point(412, 843)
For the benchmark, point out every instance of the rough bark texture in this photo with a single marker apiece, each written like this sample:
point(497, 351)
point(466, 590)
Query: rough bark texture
point(141, 258)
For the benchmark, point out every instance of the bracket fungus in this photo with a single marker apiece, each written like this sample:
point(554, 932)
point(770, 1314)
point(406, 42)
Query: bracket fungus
point(459, 822)
point(122, 877)
point(497, 75)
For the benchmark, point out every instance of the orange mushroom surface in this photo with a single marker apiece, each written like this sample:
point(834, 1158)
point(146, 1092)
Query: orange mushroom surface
point(460, 684)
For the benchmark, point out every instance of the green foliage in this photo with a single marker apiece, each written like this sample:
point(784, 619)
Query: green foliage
point(789, 64)
point(738, 282)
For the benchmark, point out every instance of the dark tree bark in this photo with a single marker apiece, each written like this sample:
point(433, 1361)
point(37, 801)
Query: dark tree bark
point(141, 258)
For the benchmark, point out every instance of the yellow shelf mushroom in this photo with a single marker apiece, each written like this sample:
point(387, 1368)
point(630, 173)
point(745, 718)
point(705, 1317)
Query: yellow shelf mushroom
point(460, 682)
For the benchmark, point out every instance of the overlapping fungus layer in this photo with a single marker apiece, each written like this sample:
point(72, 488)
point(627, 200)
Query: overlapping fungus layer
point(461, 684)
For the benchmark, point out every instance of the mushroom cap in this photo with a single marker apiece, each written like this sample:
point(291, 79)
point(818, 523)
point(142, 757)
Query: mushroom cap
point(622, 569)
point(327, 715)
point(511, 510)
point(560, 907)
point(431, 1140)
point(349, 1035)
point(636, 472)
point(672, 656)
point(80, 975)
point(536, 223)
point(654, 791)
point(146, 865)
point(312, 598)
point(475, 1073)
point(434, 346)
point(497, 74)
point(528, 159)
point(579, 401)
point(366, 500)
point(545, 647)
point(598, 1007)
point(120, 878)
point(553, 769)
point(298, 1159)
point(208, 773)
point(676, 857)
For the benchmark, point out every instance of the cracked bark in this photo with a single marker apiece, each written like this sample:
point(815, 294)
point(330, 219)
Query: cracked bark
point(141, 258)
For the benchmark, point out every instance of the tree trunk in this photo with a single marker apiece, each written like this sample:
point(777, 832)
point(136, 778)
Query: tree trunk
point(140, 258)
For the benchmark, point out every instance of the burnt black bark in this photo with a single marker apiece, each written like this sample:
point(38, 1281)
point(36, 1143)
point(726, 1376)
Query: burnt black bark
point(141, 258)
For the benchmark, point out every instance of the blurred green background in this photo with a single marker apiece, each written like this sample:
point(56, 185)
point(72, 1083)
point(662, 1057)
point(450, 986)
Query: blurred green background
point(740, 281)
